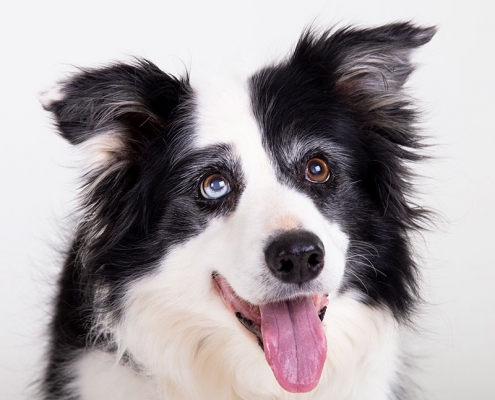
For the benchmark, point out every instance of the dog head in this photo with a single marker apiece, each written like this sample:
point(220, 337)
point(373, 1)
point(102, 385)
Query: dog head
point(256, 200)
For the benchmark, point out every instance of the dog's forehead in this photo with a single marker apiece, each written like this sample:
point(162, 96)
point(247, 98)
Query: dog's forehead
point(225, 115)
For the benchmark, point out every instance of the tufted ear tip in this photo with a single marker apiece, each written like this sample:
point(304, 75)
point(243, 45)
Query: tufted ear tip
point(52, 96)
point(427, 33)
point(418, 35)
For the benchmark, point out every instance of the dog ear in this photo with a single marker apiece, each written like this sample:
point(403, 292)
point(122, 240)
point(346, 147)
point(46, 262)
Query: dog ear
point(365, 69)
point(116, 114)
point(116, 111)
point(367, 66)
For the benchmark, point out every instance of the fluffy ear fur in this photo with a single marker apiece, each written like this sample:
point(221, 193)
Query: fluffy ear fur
point(115, 111)
point(365, 62)
point(367, 69)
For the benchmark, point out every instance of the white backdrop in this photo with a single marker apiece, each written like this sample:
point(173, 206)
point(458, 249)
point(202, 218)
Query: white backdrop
point(41, 40)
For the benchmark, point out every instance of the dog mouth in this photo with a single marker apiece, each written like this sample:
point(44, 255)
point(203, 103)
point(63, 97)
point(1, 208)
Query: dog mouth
point(290, 333)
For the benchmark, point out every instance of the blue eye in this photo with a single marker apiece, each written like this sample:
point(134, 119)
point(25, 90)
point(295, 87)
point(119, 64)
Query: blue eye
point(214, 187)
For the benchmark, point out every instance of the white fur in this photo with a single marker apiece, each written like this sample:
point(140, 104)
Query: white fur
point(51, 96)
point(362, 359)
point(186, 342)
point(100, 150)
point(100, 377)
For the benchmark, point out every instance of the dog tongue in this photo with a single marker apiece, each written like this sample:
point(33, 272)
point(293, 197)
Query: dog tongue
point(294, 343)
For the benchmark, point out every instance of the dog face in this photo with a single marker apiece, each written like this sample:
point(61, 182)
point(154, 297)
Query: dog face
point(269, 201)
point(253, 200)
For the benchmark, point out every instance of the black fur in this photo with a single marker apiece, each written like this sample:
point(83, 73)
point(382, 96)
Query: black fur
point(338, 97)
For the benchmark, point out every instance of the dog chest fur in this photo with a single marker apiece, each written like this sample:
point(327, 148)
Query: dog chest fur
point(363, 361)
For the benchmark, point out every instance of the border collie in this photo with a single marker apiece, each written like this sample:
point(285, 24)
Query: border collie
point(242, 238)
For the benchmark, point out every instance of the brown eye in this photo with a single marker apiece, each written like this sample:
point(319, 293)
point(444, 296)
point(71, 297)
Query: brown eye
point(317, 171)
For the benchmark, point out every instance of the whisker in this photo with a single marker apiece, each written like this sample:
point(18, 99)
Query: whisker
point(367, 263)
point(362, 283)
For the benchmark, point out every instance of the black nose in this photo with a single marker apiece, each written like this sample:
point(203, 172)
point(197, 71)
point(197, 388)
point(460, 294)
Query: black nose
point(295, 256)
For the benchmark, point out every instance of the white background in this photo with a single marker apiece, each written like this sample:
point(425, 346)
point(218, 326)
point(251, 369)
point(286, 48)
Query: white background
point(42, 40)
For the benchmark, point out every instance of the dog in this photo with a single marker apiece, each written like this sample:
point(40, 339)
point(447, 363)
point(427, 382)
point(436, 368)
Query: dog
point(242, 238)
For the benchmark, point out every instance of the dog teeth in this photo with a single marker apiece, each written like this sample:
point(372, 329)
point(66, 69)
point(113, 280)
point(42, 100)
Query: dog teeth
point(256, 309)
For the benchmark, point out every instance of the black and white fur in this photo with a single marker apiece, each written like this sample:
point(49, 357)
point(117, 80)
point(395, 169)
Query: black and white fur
point(137, 317)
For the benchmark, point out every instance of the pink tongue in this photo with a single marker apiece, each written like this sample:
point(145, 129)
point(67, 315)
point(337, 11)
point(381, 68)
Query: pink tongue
point(294, 343)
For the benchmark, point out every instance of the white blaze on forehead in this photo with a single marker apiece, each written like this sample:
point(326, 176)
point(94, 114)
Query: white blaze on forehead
point(224, 115)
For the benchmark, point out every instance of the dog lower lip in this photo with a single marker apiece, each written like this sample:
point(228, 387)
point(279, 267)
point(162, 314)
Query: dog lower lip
point(322, 312)
point(248, 324)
